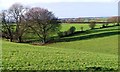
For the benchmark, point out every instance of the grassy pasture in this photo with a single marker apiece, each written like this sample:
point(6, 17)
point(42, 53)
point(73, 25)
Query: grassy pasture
point(95, 48)
point(64, 27)
point(73, 55)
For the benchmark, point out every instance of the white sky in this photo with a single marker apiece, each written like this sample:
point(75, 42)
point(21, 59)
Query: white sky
point(6, 3)
point(105, 8)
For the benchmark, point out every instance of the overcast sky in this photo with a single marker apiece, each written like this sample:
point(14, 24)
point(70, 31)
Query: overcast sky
point(70, 8)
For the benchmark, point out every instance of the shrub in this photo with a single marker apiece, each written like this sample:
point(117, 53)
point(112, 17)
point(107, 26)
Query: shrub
point(60, 34)
point(72, 29)
point(68, 32)
point(81, 28)
point(65, 33)
point(92, 24)
point(106, 24)
point(117, 24)
point(103, 26)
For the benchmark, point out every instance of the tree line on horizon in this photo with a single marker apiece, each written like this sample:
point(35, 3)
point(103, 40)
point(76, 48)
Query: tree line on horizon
point(112, 19)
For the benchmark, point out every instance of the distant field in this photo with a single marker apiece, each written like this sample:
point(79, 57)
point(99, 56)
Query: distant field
point(96, 48)
point(66, 26)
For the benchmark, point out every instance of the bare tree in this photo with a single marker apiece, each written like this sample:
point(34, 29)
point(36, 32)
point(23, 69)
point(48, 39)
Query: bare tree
point(92, 24)
point(43, 22)
point(17, 12)
point(114, 19)
point(7, 30)
point(0, 24)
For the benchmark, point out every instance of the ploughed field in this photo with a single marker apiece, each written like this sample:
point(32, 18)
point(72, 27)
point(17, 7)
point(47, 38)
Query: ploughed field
point(97, 49)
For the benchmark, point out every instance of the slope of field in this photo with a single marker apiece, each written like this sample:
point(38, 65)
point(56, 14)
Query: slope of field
point(64, 56)
point(96, 48)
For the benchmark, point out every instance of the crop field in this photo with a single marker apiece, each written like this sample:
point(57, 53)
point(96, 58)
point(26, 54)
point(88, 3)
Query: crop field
point(97, 49)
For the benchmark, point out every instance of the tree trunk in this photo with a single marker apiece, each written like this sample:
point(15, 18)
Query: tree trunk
point(10, 35)
point(20, 39)
point(11, 39)
point(44, 36)
point(44, 40)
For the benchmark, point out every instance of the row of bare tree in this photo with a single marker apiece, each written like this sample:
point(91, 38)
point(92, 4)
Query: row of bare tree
point(18, 19)
point(112, 19)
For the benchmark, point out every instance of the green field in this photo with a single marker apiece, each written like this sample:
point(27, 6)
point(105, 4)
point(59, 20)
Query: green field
point(66, 26)
point(96, 48)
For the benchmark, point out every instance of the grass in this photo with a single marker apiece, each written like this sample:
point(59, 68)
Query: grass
point(64, 56)
point(96, 49)
point(66, 26)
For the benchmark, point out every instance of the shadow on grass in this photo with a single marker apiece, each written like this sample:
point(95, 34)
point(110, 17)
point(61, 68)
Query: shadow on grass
point(68, 38)
point(86, 37)
point(100, 69)
point(31, 40)
point(90, 32)
point(88, 69)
